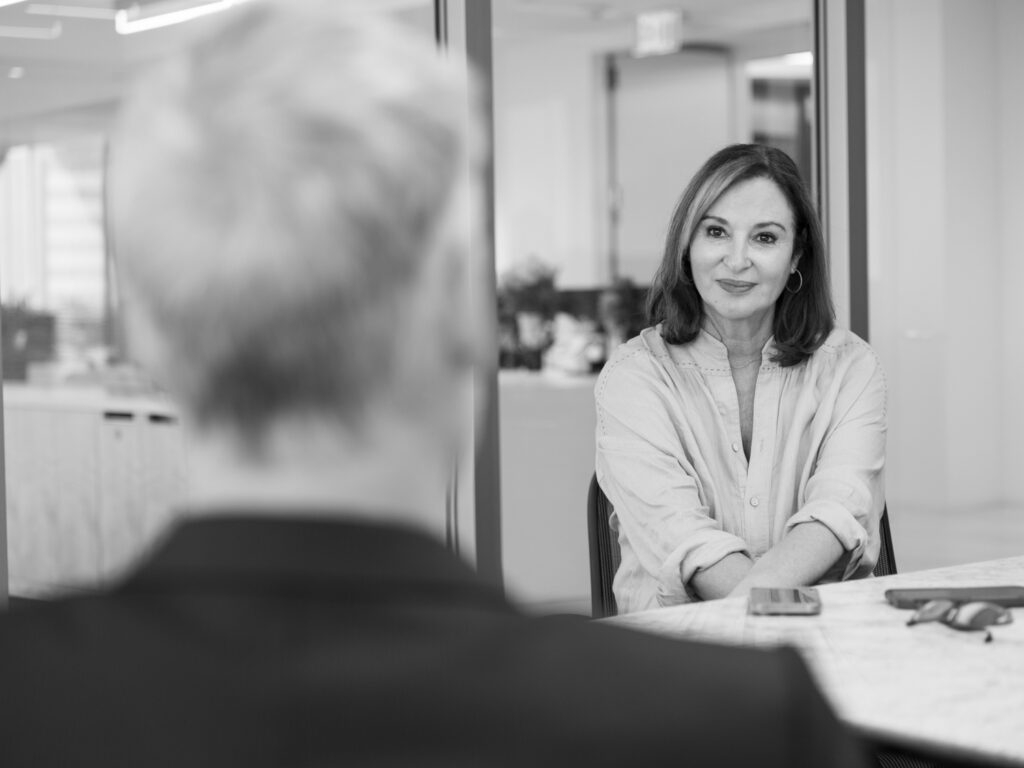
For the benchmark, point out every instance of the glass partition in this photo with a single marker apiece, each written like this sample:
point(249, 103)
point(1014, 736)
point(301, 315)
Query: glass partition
point(944, 117)
point(601, 117)
point(94, 457)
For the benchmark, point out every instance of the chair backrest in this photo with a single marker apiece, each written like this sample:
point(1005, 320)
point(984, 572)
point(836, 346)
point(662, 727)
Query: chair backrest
point(605, 555)
point(886, 565)
point(604, 552)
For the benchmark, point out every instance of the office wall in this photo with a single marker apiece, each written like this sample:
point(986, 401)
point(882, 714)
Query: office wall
point(550, 153)
point(944, 85)
point(1010, 190)
point(551, 140)
point(671, 114)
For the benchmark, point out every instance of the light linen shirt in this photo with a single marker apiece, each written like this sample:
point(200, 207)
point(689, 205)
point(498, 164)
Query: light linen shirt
point(670, 458)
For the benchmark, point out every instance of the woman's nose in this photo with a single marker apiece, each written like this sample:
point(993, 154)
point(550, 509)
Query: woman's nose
point(736, 257)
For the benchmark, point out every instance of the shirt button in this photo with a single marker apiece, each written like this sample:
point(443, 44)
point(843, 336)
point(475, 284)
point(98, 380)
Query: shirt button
point(753, 501)
point(721, 409)
point(735, 447)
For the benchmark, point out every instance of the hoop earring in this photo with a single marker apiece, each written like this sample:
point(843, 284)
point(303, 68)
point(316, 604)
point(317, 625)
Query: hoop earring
point(800, 275)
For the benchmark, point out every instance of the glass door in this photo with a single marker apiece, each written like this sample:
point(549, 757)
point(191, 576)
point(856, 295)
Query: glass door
point(602, 113)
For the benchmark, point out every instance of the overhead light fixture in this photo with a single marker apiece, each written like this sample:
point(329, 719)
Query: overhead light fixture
point(16, 73)
point(391, 5)
point(51, 32)
point(142, 18)
point(801, 59)
point(70, 11)
point(5, 3)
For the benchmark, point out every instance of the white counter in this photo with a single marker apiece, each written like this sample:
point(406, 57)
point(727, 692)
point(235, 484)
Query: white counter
point(91, 478)
point(547, 424)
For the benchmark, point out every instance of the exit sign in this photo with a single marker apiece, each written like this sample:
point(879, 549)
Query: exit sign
point(658, 32)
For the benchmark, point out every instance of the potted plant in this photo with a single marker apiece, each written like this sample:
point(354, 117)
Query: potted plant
point(527, 300)
point(29, 336)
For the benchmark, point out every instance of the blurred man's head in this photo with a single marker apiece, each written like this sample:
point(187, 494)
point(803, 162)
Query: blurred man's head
point(292, 207)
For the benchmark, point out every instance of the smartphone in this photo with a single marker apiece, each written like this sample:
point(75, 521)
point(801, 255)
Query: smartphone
point(1008, 596)
point(787, 601)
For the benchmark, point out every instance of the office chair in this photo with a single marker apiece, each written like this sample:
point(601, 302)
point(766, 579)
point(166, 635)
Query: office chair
point(605, 555)
point(886, 565)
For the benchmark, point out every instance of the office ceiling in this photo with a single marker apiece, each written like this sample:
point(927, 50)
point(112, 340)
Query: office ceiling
point(60, 73)
point(69, 69)
point(707, 18)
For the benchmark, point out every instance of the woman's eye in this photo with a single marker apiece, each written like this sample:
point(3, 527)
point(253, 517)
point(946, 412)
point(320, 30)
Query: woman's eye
point(767, 238)
point(715, 231)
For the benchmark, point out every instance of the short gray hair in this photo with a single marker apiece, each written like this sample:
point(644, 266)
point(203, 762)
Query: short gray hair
point(276, 190)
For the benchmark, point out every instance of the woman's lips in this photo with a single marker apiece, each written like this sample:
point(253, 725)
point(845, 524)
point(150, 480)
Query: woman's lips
point(735, 286)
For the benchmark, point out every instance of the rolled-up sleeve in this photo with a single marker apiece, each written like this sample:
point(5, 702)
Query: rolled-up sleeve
point(845, 491)
point(642, 468)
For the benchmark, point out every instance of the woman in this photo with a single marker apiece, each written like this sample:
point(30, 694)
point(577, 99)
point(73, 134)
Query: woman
point(741, 439)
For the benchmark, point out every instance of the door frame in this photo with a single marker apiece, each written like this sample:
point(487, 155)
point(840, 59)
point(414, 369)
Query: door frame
point(464, 30)
point(840, 97)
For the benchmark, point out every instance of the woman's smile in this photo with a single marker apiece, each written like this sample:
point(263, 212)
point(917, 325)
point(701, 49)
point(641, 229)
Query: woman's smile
point(736, 286)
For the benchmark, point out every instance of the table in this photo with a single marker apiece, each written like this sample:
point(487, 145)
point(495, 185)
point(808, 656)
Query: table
point(926, 686)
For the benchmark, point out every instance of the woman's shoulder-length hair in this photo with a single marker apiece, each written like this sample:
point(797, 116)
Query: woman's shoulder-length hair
point(804, 319)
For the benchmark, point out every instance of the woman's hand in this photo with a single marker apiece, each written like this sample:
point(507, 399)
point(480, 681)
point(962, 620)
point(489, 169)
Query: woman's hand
point(806, 554)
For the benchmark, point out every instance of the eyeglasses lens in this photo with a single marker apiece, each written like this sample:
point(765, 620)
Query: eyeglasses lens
point(978, 616)
point(933, 610)
point(969, 617)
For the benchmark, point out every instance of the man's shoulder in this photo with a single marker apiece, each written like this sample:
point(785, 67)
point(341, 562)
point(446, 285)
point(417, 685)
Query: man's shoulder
point(64, 628)
point(651, 657)
point(668, 694)
point(555, 649)
point(536, 689)
point(577, 657)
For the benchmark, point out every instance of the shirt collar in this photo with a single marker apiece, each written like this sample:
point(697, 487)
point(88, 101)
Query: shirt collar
point(708, 351)
point(304, 553)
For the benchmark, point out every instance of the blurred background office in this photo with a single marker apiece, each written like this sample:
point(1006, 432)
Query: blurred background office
point(902, 114)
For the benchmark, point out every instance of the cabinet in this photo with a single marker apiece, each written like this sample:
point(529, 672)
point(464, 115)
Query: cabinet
point(547, 458)
point(91, 480)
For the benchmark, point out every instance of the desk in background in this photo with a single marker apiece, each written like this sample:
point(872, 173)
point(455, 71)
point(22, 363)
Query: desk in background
point(927, 685)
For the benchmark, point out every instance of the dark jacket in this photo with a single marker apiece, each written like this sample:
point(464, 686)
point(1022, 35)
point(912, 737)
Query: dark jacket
point(270, 642)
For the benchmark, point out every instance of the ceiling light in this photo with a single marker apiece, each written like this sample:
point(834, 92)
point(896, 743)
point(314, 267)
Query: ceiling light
point(51, 32)
point(70, 11)
point(16, 73)
point(394, 5)
point(5, 3)
point(137, 18)
point(801, 59)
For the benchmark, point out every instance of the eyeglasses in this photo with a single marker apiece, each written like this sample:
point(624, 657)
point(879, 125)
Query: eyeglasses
point(967, 617)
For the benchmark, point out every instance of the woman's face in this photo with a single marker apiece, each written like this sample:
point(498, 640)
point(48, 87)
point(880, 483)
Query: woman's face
point(741, 254)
